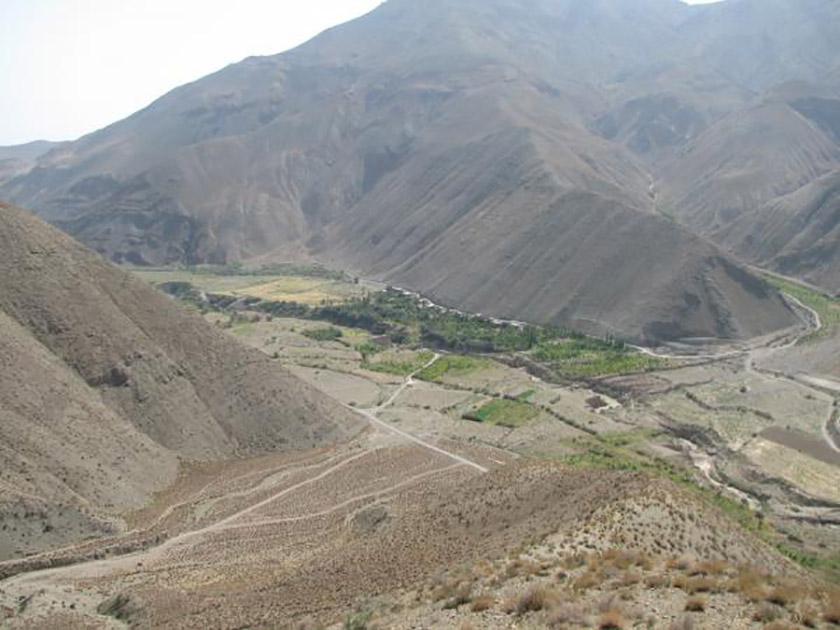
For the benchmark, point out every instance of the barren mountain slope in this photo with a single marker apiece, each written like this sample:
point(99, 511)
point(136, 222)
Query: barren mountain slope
point(17, 161)
point(101, 373)
point(389, 525)
point(496, 227)
point(797, 235)
point(743, 161)
point(61, 448)
point(464, 127)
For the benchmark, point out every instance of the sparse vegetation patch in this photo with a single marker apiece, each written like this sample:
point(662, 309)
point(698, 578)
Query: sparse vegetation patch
point(826, 306)
point(323, 334)
point(504, 412)
point(452, 364)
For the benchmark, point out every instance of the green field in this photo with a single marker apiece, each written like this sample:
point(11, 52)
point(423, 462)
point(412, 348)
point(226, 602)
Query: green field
point(334, 299)
point(590, 357)
point(303, 284)
point(324, 334)
point(452, 365)
point(399, 364)
point(505, 413)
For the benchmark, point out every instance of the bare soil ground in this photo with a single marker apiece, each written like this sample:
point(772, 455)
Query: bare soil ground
point(328, 531)
point(383, 523)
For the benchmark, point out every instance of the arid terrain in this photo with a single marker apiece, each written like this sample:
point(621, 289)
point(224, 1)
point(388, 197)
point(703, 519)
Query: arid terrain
point(687, 494)
point(462, 315)
point(608, 165)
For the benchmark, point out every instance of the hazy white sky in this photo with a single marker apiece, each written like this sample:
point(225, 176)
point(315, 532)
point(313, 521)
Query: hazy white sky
point(68, 67)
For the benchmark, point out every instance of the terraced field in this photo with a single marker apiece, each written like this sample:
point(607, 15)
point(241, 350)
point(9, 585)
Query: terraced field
point(426, 487)
point(303, 285)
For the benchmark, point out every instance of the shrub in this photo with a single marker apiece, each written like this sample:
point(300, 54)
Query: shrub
point(323, 334)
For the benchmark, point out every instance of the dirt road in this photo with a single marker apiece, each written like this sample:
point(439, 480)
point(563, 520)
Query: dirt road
point(372, 415)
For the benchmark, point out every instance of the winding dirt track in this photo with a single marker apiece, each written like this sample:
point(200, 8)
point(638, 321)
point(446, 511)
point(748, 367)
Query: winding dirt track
point(356, 475)
point(371, 414)
point(814, 385)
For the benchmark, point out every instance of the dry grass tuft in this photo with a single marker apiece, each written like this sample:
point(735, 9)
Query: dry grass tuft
point(767, 613)
point(562, 617)
point(623, 559)
point(509, 606)
point(586, 581)
point(444, 590)
point(807, 615)
point(683, 623)
point(702, 585)
point(611, 620)
point(696, 604)
point(631, 578)
point(522, 567)
point(709, 567)
point(534, 599)
point(745, 580)
point(461, 595)
point(783, 595)
point(482, 603)
point(831, 612)
point(657, 581)
point(679, 563)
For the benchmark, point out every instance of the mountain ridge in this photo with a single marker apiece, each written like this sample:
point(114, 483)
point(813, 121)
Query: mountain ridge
point(285, 157)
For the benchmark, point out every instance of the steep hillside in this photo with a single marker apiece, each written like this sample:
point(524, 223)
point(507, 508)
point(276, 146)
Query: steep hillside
point(797, 234)
point(492, 138)
point(747, 159)
point(102, 377)
point(426, 534)
point(541, 254)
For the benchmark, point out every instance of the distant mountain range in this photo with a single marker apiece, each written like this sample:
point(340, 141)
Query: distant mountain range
point(606, 164)
point(19, 160)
